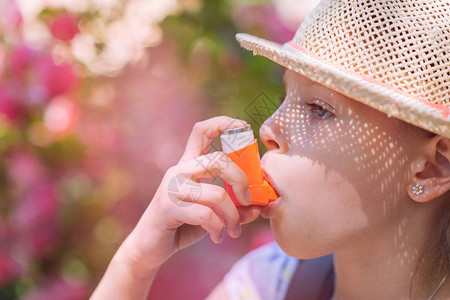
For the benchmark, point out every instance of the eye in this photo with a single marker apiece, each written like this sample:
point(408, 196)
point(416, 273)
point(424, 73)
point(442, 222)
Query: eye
point(319, 111)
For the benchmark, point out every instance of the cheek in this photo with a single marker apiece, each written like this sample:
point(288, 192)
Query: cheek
point(320, 210)
point(367, 153)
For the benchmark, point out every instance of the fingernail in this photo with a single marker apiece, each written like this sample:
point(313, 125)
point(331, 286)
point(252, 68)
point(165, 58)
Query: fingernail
point(241, 122)
point(248, 197)
point(237, 231)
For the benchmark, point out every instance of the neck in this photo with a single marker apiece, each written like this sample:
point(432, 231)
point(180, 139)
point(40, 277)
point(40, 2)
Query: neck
point(381, 264)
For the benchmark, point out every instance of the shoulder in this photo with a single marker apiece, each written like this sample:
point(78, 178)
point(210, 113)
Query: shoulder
point(263, 273)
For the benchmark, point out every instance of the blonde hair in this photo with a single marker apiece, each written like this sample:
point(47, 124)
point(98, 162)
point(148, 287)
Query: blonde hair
point(434, 262)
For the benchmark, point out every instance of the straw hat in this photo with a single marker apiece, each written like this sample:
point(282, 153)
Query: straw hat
point(393, 55)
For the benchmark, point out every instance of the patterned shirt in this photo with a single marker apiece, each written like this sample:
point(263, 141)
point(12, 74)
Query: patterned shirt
point(263, 273)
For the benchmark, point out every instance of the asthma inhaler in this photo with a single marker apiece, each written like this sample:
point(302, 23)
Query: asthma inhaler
point(241, 147)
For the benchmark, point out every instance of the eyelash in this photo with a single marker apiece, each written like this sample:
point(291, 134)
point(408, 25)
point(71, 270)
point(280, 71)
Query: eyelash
point(314, 107)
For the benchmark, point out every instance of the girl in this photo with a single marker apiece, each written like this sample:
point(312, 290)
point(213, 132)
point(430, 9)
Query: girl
point(353, 181)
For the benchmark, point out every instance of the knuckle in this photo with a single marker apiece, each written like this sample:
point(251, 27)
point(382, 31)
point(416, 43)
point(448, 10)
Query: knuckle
point(175, 169)
point(219, 194)
point(223, 196)
point(214, 172)
point(226, 118)
point(207, 214)
point(235, 215)
point(198, 126)
point(171, 172)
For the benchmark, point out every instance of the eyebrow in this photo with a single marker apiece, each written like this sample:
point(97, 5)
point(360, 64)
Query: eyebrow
point(315, 84)
point(331, 101)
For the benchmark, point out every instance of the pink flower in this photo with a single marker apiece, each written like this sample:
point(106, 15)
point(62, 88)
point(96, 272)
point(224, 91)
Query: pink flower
point(2, 60)
point(275, 28)
point(57, 79)
point(35, 219)
point(61, 115)
point(21, 58)
point(25, 170)
point(64, 27)
point(10, 106)
point(36, 93)
point(9, 269)
point(39, 77)
point(11, 16)
point(6, 234)
point(59, 288)
point(264, 21)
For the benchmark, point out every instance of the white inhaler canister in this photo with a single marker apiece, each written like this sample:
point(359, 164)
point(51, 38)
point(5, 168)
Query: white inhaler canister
point(236, 139)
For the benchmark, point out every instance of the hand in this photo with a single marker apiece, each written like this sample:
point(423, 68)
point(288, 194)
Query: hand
point(176, 219)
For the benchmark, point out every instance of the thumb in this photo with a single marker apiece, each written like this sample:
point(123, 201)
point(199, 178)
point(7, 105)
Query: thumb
point(202, 133)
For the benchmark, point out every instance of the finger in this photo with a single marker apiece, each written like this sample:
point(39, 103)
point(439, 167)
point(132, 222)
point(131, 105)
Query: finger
point(202, 133)
point(219, 164)
point(217, 199)
point(197, 214)
point(249, 214)
point(189, 234)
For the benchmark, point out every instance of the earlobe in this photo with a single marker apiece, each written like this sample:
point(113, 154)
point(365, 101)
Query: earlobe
point(432, 172)
point(415, 192)
point(429, 189)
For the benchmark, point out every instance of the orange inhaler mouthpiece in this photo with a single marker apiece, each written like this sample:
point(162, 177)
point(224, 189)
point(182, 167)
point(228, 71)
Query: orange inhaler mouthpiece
point(247, 158)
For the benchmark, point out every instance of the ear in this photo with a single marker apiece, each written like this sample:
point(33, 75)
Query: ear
point(432, 170)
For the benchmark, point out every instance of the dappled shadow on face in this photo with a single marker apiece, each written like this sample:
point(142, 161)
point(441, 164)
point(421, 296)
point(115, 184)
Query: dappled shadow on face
point(368, 149)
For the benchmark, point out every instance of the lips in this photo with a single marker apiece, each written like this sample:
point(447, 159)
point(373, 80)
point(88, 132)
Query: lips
point(269, 180)
point(269, 210)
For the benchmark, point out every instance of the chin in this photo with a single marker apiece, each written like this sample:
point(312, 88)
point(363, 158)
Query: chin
point(295, 247)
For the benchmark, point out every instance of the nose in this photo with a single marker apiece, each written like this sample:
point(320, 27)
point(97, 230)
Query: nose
point(271, 137)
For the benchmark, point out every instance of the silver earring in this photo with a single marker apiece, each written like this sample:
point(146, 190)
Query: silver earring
point(417, 190)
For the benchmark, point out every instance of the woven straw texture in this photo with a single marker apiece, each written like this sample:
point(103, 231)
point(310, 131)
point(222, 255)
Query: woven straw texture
point(391, 55)
point(402, 43)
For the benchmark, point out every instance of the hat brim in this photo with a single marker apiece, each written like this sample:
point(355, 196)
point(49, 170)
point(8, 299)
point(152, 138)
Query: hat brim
point(427, 116)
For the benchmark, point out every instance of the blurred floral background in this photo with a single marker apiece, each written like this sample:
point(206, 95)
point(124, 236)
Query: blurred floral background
point(97, 100)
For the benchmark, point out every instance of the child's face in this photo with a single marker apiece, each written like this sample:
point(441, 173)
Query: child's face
point(342, 177)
